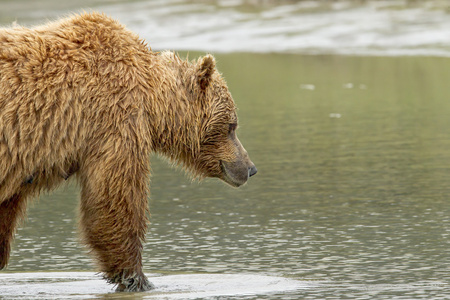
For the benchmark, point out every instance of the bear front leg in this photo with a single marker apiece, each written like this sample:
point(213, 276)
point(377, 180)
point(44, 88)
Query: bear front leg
point(11, 211)
point(114, 211)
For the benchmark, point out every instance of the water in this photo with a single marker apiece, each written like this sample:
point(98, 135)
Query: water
point(350, 201)
point(394, 27)
point(85, 285)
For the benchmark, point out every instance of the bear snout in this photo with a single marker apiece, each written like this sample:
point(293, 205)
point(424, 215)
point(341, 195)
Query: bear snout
point(237, 173)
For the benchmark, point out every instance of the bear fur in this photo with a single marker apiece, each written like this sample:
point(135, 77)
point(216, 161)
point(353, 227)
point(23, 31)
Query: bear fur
point(84, 96)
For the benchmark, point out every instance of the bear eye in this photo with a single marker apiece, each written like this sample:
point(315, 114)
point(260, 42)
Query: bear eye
point(232, 127)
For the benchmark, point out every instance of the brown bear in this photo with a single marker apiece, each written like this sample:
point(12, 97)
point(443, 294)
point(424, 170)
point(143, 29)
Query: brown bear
point(84, 96)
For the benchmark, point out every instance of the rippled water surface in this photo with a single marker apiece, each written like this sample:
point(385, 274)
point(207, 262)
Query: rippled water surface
point(351, 199)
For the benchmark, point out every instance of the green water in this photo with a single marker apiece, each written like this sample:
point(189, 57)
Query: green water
point(352, 189)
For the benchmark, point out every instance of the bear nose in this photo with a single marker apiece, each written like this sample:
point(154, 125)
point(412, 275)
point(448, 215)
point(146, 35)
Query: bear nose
point(252, 171)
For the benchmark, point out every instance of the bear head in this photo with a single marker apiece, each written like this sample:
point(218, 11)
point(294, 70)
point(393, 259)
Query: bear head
point(211, 147)
point(221, 154)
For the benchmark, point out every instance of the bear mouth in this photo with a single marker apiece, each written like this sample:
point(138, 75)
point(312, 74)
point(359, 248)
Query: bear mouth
point(227, 177)
point(231, 182)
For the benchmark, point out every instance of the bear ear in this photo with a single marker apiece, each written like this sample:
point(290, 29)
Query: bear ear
point(205, 71)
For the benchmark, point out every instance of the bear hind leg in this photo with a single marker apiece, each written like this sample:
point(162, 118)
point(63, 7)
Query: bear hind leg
point(11, 211)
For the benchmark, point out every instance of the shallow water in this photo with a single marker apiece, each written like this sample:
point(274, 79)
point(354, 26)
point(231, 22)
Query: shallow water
point(84, 285)
point(351, 197)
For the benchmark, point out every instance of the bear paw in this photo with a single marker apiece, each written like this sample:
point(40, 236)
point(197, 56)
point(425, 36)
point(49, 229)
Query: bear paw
point(134, 284)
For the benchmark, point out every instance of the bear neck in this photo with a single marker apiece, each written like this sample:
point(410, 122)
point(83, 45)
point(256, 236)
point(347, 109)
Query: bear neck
point(174, 113)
